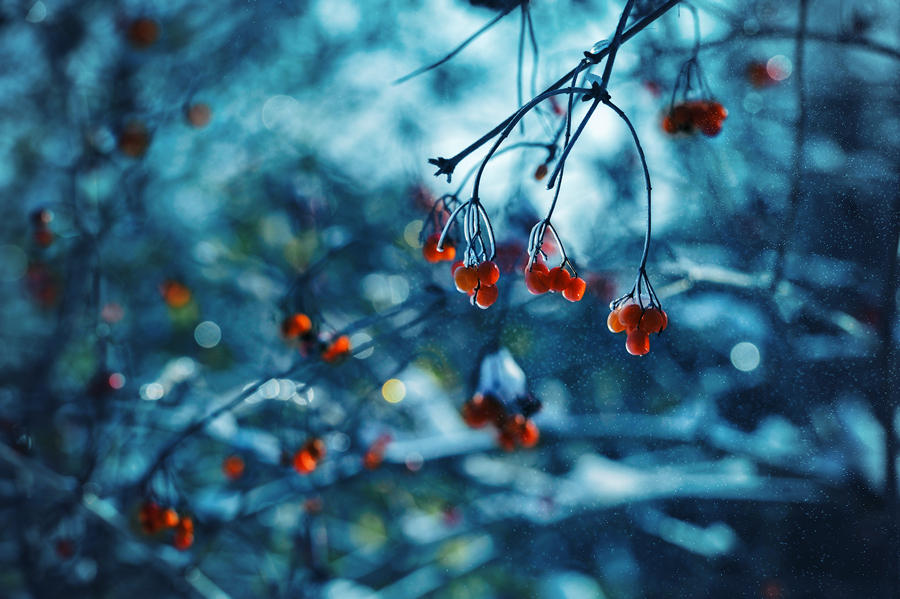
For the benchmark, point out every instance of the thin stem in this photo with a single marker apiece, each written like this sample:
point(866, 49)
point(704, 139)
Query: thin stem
point(447, 165)
point(637, 143)
point(534, 49)
point(511, 124)
point(575, 137)
point(458, 49)
point(614, 46)
point(519, 91)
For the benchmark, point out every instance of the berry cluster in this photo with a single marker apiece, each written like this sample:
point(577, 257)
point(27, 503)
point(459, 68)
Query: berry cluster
point(638, 322)
point(539, 279)
point(155, 519)
point(40, 220)
point(513, 429)
point(307, 458)
point(297, 329)
point(478, 282)
point(691, 116)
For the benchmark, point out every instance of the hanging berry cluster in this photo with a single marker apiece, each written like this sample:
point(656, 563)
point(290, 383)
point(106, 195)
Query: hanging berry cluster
point(155, 519)
point(297, 329)
point(513, 429)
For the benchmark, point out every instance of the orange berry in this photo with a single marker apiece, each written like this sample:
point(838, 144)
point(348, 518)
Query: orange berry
point(456, 265)
point(537, 279)
point(296, 325)
point(652, 321)
point(665, 320)
point(143, 33)
point(449, 252)
point(613, 323)
point(338, 349)
point(488, 273)
point(185, 525)
point(316, 448)
point(529, 434)
point(559, 279)
point(199, 115)
point(233, 467)
point(466, 278)
point(175, 294)
point(541, 172)
point(373, 458)
point(575, 289)
point(629, 316)
point(486, 296)
point(638, 342)
point(169, 518)
point(304, 463)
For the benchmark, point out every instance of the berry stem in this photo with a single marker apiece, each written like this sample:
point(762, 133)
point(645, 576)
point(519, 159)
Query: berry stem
point(637, 143)
point(446, 166)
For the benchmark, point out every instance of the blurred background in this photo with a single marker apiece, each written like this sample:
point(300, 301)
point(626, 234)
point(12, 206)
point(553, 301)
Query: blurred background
point(182, 181)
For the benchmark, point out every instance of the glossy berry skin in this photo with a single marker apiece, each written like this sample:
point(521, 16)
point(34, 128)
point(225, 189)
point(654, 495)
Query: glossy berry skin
point(613, 323)
point(630, 316)
point(488, 273)
point(652, 321)
point(575, 289)
point(537, 279)
point(637, 343)
point(466, 278)
point(559, 279)
point(486, 296)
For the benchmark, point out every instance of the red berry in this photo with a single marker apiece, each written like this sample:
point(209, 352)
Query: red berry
point(488, 273)
point(537, 279)
point(486, 296)
point(541, 172)
point(559, 279)
point(316, 448)
point(304, 463)
point(456, 265)
point(466, 278)
point(652, 321)
point(482, 410)
point(429, 248)
point(638, 343)
point(529, 434)
point(134, 139)
point(575, 289)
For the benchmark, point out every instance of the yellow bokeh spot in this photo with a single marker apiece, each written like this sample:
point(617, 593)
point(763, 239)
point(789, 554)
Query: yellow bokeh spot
point(411, 233)
point(393, 391)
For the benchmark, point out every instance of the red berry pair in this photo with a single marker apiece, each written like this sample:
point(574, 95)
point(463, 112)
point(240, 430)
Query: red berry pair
point(539, 279)
point(695, 115)
point(639, 323)
point(298, 329)
point(154, 518)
